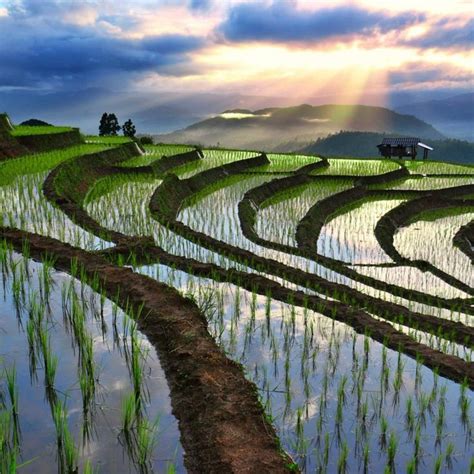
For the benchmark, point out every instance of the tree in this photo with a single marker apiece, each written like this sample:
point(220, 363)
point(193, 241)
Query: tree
point(114, 126)
point(103, 126)
point(129, 129)
point(108, 124)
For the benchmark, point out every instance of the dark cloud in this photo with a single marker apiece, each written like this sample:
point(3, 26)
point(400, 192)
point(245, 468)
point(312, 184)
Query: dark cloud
point(423, 73)
point(200, 5)
point(443, 35)
point(40, 54)
point(281, 22)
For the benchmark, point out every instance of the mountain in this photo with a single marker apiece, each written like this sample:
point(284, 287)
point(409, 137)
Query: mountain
point(364, 145)
point(151, 112)
point(285, 128)
point(454, 115)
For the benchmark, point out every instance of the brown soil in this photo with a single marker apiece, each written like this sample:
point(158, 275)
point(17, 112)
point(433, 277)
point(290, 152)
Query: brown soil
point(403, 214)
point(464, 240)
point(310, 226)
point(144, 250)
point(222, 423)
point(254, 198)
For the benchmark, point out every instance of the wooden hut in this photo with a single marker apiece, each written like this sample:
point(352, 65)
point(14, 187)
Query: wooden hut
point(401, 147)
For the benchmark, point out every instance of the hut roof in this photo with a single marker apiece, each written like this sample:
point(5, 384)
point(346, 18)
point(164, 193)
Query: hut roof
point(403, 141)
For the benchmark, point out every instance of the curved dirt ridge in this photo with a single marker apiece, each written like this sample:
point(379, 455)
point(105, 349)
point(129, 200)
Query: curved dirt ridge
point(50, 141)
point(145, 251)
point(401, 215)
point(309, 228)
point(170, 196)
point(222, 423)
point(253, 200)
point(464, 240)
point(9, 145)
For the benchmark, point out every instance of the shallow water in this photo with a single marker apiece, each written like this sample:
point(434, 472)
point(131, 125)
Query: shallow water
point(299, 360)
point(111, 344)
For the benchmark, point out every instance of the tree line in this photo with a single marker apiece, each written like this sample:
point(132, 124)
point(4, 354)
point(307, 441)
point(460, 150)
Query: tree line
point(364, 145)
point(109, 125)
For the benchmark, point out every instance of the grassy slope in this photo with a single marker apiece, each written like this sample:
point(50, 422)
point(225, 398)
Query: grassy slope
point(22, 130)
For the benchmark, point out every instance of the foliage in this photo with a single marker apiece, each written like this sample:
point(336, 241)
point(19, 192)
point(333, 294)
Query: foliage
point(147, 140)
point(108, 124)
point(129, 129)
point(363, 145)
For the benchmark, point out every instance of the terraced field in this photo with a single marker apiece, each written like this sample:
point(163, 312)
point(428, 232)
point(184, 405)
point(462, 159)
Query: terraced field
point(177, 310)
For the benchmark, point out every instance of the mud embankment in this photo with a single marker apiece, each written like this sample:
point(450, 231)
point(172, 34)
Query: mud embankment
point(222, 423)
point(256, 197)
point(464, 240)
point(309, 228)
point(10, 147)
point(405, 213)
point(50, 141)
point(145, 251)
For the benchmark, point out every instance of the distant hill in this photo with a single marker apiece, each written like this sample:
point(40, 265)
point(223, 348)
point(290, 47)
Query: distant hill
point(454, 116)
point(285, 128)
point(35, 123)
point(364, 145)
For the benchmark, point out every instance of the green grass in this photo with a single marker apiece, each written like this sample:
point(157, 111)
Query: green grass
point(30, 164)
point(23, 130)
point(110, 140)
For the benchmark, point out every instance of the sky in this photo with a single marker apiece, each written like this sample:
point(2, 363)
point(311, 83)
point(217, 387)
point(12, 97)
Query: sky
point(297, 50)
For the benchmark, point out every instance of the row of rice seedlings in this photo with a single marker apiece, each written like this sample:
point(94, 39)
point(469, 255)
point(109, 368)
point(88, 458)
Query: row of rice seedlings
point(353, 167)
point(24, 206)
point(437, 167)
point(138, 434)
point(22, 130)
point(350, 235)
point(131, 216)
point(418, 183)
point(278, 217)
point(155, 152)
point(9, 421)
point(287, 162)
point(316, 395)
point(68, 454)
point(437, 249)
point(437, 342)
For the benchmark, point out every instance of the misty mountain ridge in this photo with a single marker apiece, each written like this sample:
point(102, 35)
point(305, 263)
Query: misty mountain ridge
point(454, 116)
point(273, 128)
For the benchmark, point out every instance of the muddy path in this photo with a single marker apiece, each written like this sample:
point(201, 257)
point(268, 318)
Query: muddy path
point(222, 423)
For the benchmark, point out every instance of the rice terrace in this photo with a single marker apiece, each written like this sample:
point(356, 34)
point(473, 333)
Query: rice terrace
point(168, 308)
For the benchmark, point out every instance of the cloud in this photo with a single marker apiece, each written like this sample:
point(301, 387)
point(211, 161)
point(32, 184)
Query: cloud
point(39, 52)
point(446, 34)
point(281, 22)
point(419, 75)
point(200, 5)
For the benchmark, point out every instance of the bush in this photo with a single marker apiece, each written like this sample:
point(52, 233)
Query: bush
point(147, 140)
